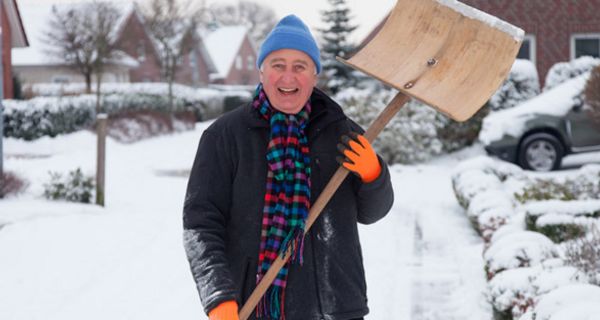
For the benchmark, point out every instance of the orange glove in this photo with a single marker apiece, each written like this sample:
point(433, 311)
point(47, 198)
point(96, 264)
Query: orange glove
point(360, 157)
point(227, 310)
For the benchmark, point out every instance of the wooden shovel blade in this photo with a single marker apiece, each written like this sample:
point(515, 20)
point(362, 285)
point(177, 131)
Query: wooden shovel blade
point(443, 53)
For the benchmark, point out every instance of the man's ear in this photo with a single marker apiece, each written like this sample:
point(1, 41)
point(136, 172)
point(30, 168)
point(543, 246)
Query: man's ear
point(260, 75)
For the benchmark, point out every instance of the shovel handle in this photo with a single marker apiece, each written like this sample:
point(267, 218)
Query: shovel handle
point(336, 180)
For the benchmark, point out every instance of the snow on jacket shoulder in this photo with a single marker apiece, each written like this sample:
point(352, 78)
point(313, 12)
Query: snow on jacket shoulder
point(223, 211)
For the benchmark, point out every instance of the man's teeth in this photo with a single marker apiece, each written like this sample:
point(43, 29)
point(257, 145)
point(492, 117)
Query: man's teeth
point(285, 90)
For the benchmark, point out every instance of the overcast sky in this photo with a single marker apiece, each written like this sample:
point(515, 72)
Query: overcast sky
point(367, 13)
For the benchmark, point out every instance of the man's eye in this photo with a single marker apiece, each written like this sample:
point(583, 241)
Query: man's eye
point(299, 68)
point(278, 66)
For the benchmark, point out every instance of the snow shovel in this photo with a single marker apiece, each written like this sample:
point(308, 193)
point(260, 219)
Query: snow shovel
point(441, 52)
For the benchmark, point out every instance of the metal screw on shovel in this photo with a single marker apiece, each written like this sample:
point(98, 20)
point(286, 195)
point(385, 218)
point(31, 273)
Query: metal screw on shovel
point(473, 54)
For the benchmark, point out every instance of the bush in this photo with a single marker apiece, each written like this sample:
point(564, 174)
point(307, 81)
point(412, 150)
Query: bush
point(409, 137)
point(75, 187)
point(10, 183)
point(132, 126)
point(584, 254)
point(521, 85)
point(564, 71)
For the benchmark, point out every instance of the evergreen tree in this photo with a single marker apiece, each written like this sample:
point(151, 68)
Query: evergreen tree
point(334, 36)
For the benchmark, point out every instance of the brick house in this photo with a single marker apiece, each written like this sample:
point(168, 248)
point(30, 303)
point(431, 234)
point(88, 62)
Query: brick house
point(556, 30)
point(14, 37)
point(134, 39)
point(233, 55)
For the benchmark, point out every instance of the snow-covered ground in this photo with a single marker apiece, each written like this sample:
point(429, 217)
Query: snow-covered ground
point(126, 261)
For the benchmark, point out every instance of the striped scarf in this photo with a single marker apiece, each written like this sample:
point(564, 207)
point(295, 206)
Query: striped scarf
point(287, 198)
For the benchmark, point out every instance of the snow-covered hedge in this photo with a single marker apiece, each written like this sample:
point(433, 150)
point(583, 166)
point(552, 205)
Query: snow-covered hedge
point(521, 84)
point(569, 302)
point(514, 291)
point(564, 71)
point(561, 220)
point(521, 261)
point(60, 109)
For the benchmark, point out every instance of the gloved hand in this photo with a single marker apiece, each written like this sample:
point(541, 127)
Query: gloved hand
point(227, 310)
point(359, 157)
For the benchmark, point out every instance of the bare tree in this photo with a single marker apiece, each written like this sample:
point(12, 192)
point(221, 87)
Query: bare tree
point(172, 25)
point(259, 19)
point(81, 35)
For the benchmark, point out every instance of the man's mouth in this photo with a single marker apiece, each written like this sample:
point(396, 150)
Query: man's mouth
point(287, 91)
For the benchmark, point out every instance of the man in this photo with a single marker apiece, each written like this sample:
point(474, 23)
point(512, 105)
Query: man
point(257, 171)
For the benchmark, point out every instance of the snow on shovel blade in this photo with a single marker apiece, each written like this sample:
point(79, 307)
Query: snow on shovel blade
point(442, 52)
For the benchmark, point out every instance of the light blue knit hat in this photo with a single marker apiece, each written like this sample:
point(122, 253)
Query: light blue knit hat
point(290, 33)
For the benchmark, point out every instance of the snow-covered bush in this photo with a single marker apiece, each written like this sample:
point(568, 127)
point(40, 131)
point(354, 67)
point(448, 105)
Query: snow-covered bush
point(513, 292)
point(592, 95)
point(411, 136)
point(564, 71)
point(583, 185)
point(132, 126)
point(561, 220)
point(10, 183)
point(516, 250)
point(570, 302)
point(584, 254)
point(74, 187)
point(489, 210)
point(521, 84)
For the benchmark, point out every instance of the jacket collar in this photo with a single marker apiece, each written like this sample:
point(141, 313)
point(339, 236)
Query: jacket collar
point(324, 111)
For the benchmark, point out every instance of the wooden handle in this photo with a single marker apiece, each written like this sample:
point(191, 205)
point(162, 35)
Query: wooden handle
point(336, 180)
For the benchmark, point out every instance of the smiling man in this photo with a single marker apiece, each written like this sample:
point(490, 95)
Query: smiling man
point(256, 173)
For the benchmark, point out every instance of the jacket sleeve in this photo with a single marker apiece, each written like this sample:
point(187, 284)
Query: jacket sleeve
point(205, 216)
point(374, 199)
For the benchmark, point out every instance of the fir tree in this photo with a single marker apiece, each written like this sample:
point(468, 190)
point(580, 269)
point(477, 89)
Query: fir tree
point(336, 75)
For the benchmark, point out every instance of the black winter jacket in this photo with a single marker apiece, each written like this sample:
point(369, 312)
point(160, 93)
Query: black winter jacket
point(223, 212)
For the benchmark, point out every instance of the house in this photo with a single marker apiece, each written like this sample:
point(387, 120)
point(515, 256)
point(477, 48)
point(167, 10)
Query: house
point(13, 36)
point(556, 30)
point(233, 55)
point(133, 38)
point(34, 64)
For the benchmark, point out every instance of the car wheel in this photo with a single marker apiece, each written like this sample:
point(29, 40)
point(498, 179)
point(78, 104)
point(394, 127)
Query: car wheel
point(541, 152)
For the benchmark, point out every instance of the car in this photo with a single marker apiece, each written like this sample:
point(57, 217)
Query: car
point(540, 132)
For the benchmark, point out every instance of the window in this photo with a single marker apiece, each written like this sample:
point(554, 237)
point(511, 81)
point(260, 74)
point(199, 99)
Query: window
point(238, 63)
point(250, 61)
point(585, 44)
point(141, 51)
point(61, 79)
point(527, 50)
point(193, 59)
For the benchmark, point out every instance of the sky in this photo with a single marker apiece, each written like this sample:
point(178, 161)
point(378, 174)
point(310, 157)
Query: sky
point(367, 14)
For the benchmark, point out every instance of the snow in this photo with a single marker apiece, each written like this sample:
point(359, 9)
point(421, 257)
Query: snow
point(126, 261)
point(519, 249)
point(223, 46)
point(517, 33)
point(572, 302)
point(556, 102)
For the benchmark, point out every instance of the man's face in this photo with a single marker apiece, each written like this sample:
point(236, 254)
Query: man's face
point(288, 77)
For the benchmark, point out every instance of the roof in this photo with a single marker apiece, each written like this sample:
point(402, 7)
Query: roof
point(17, 32)
point(36, 15)
point(223, 45)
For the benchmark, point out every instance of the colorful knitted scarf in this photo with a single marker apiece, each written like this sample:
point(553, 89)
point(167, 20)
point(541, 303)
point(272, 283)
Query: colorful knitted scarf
point(287, 198)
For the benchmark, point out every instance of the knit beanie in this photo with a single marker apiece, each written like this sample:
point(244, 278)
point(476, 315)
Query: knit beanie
point(290, 33)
